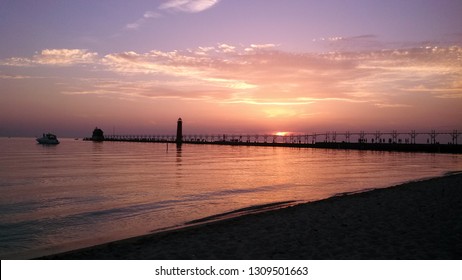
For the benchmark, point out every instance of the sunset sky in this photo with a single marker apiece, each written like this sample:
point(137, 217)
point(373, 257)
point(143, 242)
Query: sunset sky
point(229, 66)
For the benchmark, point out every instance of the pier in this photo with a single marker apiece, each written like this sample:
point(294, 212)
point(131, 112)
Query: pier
point(412, 141)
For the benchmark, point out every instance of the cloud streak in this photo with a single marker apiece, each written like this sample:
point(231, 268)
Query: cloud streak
point(172, 6)
point(147, 16)
point(188, 6)
point(56, 57)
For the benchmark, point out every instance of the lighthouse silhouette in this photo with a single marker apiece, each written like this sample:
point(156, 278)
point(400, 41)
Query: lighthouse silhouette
point(179, 132)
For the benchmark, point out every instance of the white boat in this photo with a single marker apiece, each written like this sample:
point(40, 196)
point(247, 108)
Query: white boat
point(48, 138)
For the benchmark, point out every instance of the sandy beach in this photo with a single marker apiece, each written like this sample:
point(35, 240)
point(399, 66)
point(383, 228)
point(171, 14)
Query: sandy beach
point(416, 220)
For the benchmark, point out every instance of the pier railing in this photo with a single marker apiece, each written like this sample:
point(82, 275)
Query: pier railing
point(375, 137)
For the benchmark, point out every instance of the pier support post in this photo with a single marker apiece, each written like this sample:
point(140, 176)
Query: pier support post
point(378, 135)
point(394, 134)
point(433, 137)
point(454, 135)
point(413, 135)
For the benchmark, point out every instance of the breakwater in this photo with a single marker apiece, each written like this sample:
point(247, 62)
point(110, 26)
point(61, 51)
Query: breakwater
point(303, 141)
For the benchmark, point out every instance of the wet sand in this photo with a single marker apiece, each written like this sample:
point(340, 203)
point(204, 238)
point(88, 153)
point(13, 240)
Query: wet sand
point(417, 220)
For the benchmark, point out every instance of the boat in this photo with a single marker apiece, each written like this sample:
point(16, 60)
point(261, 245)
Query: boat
point(48, 138)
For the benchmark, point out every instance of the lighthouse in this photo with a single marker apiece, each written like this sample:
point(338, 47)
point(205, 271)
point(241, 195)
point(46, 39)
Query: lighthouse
point(179, 132)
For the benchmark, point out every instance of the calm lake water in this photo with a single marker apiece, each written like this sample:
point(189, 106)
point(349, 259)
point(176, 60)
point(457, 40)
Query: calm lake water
point(55, 198)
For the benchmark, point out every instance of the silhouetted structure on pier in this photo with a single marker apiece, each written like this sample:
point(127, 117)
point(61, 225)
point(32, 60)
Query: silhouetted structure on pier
point(179, 132)
point(98, 134)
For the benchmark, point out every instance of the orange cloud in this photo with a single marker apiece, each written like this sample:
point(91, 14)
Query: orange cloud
point(272, 75)
point(269, 82)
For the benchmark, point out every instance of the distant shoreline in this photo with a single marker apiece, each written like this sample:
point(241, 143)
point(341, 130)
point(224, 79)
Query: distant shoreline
point(415, 220)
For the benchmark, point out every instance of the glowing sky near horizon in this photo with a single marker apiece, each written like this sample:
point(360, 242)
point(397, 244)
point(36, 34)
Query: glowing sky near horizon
point(229, 66)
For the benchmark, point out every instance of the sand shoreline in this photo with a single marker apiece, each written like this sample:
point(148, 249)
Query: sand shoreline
point(415, 220)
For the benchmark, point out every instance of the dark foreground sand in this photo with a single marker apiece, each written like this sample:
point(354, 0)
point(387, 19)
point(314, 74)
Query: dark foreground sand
point(418, 220)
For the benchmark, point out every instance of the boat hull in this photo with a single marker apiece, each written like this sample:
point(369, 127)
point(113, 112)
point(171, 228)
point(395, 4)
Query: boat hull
point(47, 141)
